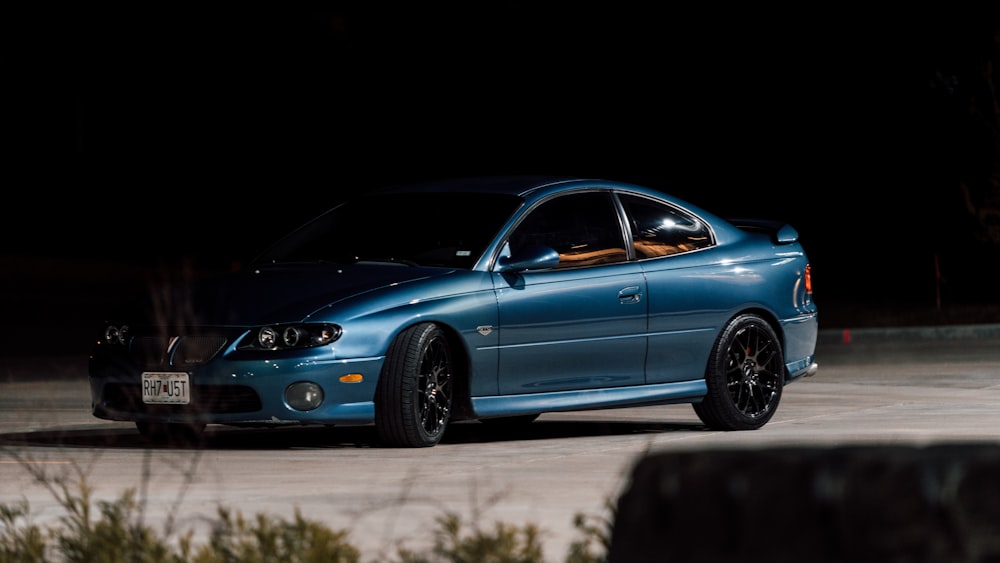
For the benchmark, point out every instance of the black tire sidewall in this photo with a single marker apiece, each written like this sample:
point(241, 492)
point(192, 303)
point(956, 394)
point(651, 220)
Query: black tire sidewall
point(397, 403)
point(717, 409)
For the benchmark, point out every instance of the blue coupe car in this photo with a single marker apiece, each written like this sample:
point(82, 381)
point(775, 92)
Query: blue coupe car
point(494, 299)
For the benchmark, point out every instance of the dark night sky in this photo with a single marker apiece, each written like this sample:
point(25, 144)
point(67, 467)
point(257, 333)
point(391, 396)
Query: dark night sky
point(164, 133)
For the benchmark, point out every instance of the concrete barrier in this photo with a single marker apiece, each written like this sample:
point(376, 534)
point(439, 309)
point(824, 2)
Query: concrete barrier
point(851, 504)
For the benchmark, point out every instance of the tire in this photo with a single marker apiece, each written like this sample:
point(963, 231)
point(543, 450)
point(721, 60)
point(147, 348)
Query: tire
point(172, 433)
point(745, 376)
point(414, 394)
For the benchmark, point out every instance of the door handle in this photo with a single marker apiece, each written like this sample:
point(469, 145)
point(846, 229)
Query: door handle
point(630, 294)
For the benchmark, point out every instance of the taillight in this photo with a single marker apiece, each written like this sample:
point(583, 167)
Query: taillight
point(807, 275)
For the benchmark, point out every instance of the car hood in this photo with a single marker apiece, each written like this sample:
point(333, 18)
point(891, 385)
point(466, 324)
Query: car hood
point(269, 294)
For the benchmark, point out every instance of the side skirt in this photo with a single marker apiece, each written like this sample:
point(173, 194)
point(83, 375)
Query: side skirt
point(590, 399)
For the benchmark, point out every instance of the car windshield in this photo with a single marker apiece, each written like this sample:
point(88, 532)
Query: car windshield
point(425, 229)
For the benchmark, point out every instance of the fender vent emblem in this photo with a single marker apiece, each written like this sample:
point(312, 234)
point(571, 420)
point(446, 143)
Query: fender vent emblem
point(484, 330)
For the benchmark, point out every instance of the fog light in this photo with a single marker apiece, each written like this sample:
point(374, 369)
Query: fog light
point(304, 395)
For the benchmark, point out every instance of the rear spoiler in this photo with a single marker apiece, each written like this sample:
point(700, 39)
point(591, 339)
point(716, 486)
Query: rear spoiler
point(781, 233)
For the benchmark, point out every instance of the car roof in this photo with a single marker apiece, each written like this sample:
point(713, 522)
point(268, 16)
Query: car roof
point(539, 186)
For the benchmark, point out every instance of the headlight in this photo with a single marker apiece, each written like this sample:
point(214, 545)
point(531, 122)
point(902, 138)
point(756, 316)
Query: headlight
point(116, 334)
point(267, 337)
point(290, 336)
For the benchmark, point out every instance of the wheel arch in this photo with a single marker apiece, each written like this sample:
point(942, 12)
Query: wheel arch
point(762, 312)
point(740, 396)
point(768, 317)
point(461, 401)
point(461, 364)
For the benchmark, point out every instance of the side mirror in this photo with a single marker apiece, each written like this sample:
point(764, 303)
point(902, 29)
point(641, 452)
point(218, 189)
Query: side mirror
point(530, 258)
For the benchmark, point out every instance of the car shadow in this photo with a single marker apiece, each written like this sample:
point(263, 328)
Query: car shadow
point(343, 437)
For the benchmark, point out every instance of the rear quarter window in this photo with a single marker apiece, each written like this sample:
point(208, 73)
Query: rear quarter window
point(659, 229)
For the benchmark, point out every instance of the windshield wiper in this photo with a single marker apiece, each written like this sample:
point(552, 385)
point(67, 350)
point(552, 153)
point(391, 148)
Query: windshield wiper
point(387, 260)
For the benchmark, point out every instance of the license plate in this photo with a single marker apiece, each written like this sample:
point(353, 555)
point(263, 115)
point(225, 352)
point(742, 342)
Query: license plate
point(166, 388)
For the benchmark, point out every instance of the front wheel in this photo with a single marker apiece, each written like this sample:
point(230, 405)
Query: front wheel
point(745, 376)
point(414, 393)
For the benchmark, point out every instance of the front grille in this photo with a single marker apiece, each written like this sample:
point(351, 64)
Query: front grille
point(196, 350)
point(217, 399)
point(187, 351)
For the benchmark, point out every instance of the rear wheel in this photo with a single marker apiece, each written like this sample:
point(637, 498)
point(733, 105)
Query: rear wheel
point(414, 393)
point(745, 376)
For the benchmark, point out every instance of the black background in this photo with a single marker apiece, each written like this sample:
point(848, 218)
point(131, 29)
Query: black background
point(150, 135)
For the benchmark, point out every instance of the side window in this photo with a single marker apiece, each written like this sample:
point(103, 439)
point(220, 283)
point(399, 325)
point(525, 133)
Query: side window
point(659, 229)
point(583, 228)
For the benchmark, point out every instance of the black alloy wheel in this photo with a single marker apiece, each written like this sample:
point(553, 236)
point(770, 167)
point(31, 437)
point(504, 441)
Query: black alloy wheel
point(745, 376)
point(414, 394)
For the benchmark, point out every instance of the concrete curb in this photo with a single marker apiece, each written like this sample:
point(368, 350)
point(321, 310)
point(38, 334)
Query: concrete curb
point(867, 503)
point(910, 334)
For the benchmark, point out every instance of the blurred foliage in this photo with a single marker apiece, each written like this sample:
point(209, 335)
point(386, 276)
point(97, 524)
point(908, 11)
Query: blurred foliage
point(503, 544)
point(116, 534)
point(234, 538)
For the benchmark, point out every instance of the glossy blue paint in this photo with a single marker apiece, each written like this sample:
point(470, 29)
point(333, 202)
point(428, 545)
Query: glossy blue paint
point(628, 310)
point(572, 330)
point(591, 399)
